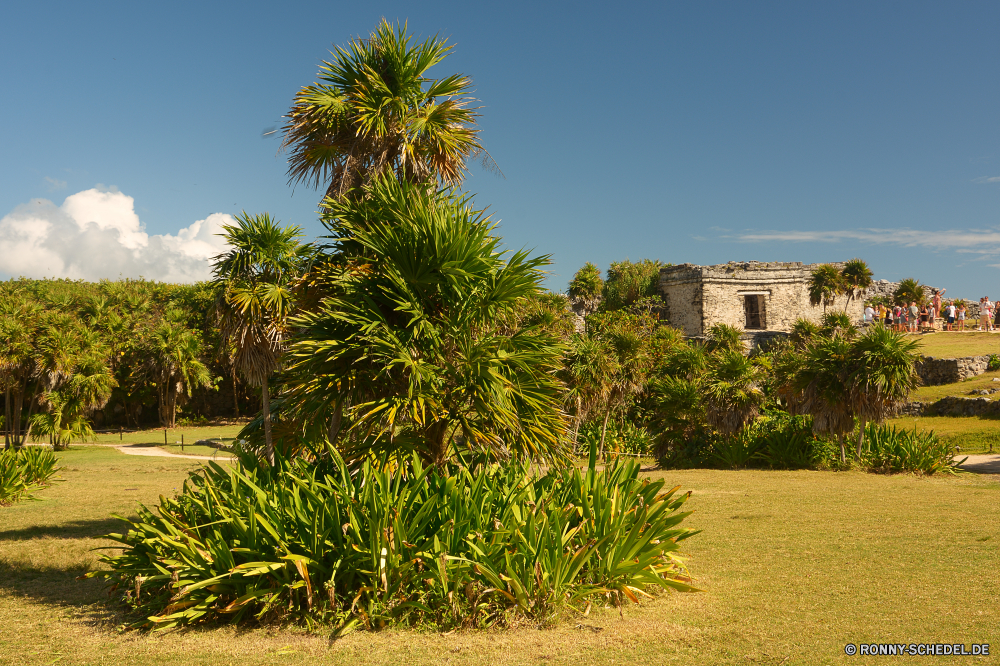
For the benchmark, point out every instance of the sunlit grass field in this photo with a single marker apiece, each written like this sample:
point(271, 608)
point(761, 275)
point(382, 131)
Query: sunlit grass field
point(793, 566)
point(947, 344)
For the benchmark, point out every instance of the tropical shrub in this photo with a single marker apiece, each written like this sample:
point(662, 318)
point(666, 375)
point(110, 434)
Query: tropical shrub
point(587, 283)
point(623, 436)
point(23, 471)
point(890, 450)
point(399, 543)
point(994, 362)
point(630, 282)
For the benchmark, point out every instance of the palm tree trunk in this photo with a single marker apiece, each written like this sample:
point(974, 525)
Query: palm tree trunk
point(843, 450)
point(861, 437)
point(268, 444)
point(6, 419)
point(236, 400)
point(604, 429)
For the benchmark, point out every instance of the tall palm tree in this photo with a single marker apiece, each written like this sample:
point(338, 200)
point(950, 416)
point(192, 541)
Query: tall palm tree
point(590, 367)
point(177, 366)
point(856, 277)
point(256, 277)
point(825, 284)
point(375, 111)
point(404, 350)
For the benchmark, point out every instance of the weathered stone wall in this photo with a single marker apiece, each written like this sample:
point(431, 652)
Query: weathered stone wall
point(934, 371)
point(683, 300)
point(953, 406)
point(698, 297)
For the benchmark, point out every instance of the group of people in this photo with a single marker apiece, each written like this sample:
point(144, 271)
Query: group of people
point(911, 317)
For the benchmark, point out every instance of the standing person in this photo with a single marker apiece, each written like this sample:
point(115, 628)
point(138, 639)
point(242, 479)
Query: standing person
point(897, 312)
point(979, 316)
point(912, 316)
point(925, 317)
point(936, 304)
point(950, 312)
point(986, 316)
point(961, 317)
point(883, 317)
point(869, 314)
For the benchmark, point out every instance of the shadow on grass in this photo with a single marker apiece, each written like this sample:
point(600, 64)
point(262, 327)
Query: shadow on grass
point(74, 529)
point(53, 584)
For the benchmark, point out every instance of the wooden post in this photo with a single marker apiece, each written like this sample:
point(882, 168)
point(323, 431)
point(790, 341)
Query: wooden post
point(121, 434)
point(164, 437)
point(182, 442)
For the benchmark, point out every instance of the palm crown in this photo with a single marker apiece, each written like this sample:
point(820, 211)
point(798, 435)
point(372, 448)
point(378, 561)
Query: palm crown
point(374, 111)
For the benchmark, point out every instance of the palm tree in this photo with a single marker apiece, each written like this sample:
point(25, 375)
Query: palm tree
point(177, 367)
point(910, 291)
point(885, 374)
point(375, 111)
point(256, 277)
point(818, 382)
point(825, 284)
point(589, 371)
point(404, 350)
point(733, 390)
point(857, 277)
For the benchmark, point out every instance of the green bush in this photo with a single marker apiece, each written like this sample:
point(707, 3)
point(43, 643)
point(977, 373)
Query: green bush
point(400, 543)
point(789, 443)
point(22, 471)
point(994, 362)
point(621, 437)
point(889, 450)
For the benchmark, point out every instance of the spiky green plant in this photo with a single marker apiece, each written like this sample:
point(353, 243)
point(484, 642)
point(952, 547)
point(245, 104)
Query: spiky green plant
point(401, 544)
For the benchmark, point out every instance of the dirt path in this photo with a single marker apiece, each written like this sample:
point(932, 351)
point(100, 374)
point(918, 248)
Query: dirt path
point(160, 453)
point(982, 463)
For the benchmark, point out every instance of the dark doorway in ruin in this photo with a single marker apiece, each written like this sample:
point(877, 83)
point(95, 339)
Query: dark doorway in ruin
point(753, 307)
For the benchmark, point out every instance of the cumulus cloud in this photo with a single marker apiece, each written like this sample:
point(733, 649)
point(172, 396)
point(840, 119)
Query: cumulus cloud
point(96, 234)
point(987, 179)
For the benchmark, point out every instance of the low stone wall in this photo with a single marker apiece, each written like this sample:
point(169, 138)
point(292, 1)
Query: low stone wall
point(953, 406)
point(934, 371)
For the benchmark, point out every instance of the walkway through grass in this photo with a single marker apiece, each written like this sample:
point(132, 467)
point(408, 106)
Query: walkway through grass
point(793, 564)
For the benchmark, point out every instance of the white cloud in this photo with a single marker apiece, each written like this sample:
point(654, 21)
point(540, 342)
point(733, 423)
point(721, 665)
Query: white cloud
point(987, 179)
point(975, 239)
point(96, 234)
point(55, 184)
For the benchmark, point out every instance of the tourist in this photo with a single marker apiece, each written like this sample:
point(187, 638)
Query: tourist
point(961, 316)
point(936, 304)
point(869, 314)
point(912, 317)
point(951, 316)
point(986, 315)
point(897, 317)
point(924, 316)
point(883, 317)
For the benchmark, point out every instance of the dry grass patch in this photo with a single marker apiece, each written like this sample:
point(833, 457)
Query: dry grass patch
point(793, 566)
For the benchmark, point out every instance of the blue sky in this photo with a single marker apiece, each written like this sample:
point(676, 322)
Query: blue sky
point(686, 132)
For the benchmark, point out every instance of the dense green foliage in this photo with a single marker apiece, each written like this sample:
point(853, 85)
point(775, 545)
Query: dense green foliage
point(630, 283)
point(76, 355)
point(24, 470)
point(410, 344)
point(464, 546)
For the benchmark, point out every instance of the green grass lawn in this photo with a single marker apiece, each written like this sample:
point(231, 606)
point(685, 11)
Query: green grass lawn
point(961, 389)
point(793, 566)
point(974, 434)
point(953, 344)
point(154, 437)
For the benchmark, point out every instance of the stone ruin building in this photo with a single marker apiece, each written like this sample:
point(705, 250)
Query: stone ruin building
point(762, 298)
